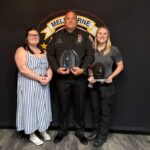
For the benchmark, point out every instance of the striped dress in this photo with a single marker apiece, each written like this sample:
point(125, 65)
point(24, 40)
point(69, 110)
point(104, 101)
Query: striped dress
point(33, 99)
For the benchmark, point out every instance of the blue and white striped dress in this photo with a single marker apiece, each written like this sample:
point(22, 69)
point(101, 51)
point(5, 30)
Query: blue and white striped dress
point(33, 99)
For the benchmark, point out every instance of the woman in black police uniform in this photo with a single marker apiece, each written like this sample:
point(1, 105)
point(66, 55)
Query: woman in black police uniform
point(71, 83)
point(102, 93)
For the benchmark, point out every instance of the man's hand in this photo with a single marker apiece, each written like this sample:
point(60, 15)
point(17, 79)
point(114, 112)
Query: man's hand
point(63, 71)
point(77, 71)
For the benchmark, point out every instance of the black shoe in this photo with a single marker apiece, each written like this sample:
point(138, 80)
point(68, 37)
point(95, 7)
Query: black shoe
point(92, 136)
point(82, 139)
point(99, 141)
point(59, 138)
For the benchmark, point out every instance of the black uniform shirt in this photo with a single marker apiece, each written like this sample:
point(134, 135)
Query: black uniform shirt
point(77, 40)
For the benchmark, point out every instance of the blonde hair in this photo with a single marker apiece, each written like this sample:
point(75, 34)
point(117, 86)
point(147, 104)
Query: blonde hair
point(108, 42)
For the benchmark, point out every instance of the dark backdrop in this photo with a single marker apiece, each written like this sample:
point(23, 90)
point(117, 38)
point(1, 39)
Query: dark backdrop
point(129, 23)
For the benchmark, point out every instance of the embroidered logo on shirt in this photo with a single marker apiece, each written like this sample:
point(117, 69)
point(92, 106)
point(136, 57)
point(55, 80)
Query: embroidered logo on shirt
point(59, 41)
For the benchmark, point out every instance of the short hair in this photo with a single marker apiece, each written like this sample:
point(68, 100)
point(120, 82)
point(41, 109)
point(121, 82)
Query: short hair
point(72, 12)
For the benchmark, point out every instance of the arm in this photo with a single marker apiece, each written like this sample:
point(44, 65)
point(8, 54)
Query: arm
point(88, 58)
point(21, 62)
point(89, 54)
point(51, 55)
point(118, 69)
point(49, 73)
point(91, 77)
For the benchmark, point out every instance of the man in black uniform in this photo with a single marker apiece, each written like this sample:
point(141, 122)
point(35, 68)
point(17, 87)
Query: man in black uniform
point(71, 84)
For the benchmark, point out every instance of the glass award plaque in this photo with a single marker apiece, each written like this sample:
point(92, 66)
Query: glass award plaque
point(69, 59)
point(98, 73)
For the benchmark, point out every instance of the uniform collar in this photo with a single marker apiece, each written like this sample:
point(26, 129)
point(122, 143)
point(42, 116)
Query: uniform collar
point(100, 52)
point(74, 32)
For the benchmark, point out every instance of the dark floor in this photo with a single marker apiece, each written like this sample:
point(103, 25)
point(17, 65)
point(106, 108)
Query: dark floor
point(10, 141)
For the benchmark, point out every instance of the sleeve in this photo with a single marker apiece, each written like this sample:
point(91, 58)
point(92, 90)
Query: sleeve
point(51, 54)
point(89, 53)
point(90, 72)
point(116, 55)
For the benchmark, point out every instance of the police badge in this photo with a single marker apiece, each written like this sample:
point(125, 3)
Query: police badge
point(69, 59)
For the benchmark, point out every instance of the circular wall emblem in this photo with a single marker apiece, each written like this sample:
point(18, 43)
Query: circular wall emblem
point(55, 22)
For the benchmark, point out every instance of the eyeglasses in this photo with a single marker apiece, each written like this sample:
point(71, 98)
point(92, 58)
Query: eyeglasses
point(33, 35)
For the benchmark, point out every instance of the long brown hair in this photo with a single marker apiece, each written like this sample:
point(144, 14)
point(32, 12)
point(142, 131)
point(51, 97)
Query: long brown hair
point(26, 45)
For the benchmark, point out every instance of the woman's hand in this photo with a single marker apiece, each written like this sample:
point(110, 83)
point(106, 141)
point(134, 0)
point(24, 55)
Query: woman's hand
point(43, 80)
point(91, 79)
point(118, 69)
point(109, 79)
point(47, 78)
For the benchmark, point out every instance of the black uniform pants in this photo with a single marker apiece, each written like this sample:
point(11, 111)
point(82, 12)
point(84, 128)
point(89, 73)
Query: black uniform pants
point(71, 89)
point(102, 97)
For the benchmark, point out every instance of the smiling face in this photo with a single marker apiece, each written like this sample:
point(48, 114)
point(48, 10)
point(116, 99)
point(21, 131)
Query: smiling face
point(33, 38)
point(102, 35)
point(70, 21)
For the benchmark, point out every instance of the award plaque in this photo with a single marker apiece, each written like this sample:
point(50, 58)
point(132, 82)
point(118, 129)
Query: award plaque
point(98, 73)
point(69, 59)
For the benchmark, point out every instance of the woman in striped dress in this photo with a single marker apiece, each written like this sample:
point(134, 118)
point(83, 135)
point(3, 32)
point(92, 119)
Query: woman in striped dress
point(33, 94)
